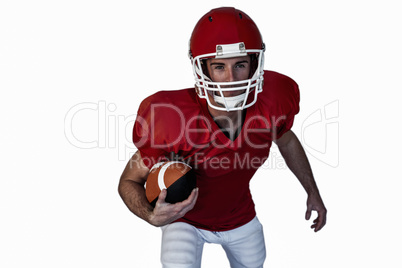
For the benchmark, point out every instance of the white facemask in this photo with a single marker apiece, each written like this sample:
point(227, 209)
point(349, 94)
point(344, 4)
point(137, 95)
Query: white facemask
point(248, 88)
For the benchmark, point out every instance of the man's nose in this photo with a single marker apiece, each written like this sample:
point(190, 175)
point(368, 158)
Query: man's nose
point(230, 75)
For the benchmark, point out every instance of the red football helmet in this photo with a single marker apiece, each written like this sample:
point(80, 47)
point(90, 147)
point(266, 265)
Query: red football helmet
point(226, 33)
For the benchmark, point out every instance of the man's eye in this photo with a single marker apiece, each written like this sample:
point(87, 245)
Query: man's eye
point(240, 66)
point(218, 67)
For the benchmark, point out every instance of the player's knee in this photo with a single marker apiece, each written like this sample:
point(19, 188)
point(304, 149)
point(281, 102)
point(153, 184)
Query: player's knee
point(253, 260)
point(180, 246)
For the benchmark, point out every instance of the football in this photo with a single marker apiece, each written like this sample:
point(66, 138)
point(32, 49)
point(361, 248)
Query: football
point(177, 177)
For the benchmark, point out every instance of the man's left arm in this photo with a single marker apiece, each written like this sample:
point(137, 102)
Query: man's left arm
point(296, 159)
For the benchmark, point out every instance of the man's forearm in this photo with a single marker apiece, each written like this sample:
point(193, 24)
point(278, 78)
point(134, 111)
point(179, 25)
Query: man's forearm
point(297, 161)
point(133, 195)
point(131, 187)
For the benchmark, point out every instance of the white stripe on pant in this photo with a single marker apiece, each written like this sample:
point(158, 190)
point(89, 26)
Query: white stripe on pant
point(182, 245)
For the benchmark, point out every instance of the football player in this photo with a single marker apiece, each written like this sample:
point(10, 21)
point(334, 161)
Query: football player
point(223, 127)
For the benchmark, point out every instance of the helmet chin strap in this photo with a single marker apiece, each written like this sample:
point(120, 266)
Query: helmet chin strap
point(230, 102)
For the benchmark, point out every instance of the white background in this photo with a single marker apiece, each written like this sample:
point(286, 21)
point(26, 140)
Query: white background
point(59, 205)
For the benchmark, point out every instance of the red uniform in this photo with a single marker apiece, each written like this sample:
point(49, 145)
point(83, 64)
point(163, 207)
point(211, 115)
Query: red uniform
point(179, 122)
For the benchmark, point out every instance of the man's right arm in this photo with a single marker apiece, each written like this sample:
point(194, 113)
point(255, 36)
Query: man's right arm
point(132, 191)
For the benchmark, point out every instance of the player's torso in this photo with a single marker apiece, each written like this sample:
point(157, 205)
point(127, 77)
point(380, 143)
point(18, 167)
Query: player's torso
point(179, 122)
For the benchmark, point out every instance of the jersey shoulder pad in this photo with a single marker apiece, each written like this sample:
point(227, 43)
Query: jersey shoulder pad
point(280, 94)
point(161, 119)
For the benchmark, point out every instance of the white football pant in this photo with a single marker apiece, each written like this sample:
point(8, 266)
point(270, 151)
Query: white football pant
point(182, 245)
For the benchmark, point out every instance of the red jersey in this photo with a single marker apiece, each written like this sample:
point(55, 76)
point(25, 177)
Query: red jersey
point(179, 122)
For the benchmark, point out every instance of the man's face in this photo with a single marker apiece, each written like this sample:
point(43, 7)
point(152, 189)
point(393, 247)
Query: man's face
point(229, 70)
